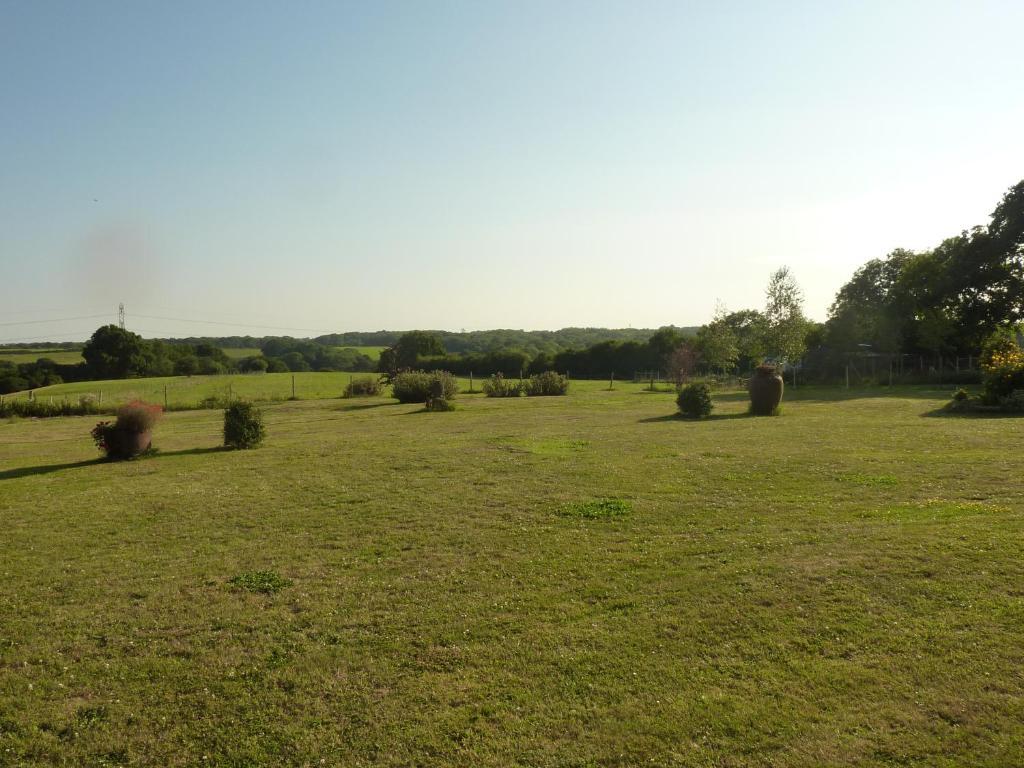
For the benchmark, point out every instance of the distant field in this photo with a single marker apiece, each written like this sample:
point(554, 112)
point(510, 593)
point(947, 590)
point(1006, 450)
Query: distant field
point(62, 356)
point(237, 353)
point(838, 586)
point(189, 390)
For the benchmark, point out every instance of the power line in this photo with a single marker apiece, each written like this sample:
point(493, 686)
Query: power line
point(55, 320)
point(235, 325)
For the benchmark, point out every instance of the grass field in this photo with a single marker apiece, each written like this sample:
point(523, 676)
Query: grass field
point(841, 585)
point(237, 353)
point(62, 356)
point(189, 390)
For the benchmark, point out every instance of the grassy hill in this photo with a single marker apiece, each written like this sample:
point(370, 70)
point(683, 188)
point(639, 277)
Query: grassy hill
point(188, 391)
point(836, 586)
point(62, 356)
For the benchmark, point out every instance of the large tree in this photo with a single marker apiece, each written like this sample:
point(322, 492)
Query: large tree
point(114, 353)
point(717, 342)
point(785, 323)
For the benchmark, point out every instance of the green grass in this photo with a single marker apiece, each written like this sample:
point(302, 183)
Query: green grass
point(190, 390)
point(61, 356)
point(841, 585)
point(237, 353)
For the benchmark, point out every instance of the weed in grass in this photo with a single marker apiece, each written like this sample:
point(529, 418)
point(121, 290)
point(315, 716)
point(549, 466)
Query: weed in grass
point(261, 582)
point(87, 717)
point(859, 478)
point(598, 509)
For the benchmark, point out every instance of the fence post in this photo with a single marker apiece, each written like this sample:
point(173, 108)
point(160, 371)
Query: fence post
point(890, 373)
point(293, 386)
point(847, 376)
point(165, 397)
point(471, 382)
point(611, 381)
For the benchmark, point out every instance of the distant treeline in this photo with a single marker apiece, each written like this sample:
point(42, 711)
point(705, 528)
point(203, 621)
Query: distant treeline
point(115, 353)
point(532, 343)
point(425, 350)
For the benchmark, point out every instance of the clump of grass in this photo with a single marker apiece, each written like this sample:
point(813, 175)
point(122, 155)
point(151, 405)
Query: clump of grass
point(261, 582)
point(864, 479)
point(597, 509)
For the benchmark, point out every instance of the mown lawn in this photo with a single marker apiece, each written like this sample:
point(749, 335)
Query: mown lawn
point(841, 585)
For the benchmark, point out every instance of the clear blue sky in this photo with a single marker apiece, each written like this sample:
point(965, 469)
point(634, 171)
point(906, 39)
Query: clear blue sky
point(343, 166)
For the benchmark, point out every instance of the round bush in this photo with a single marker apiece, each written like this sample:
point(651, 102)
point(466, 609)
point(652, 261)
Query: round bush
point(499, 386)
point(694, 401)
point(547, 384)
point(415, 386)
point(243, 426)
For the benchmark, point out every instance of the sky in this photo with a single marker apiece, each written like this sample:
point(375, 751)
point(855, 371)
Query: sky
point(300, 168)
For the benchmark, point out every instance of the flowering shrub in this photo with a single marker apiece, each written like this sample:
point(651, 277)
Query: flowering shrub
point(99, 434)
point(499, 386)
point(1003, 367)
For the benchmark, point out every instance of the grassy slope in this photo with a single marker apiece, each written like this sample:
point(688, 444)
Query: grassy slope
point(840, 585)
point(188, 390)
point(62, 356)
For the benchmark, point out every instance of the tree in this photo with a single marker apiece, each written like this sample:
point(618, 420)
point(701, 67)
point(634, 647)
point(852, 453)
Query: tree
point(750, 329)
point(114, 353)
point(663, 343)
point(717, 342)
point(414, 345)
point(786, 326)
point(682, 362)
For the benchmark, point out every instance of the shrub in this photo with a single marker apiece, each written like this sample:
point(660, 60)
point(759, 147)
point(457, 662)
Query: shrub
point(137, 416)
point(42, 409)
point(1013, 402)
point(499, 386)
point(243, 425)
point(414, 386)
point(547, 383)
point(252, 364)
point(364, 386)
point(694, 401)
point(1003, 374)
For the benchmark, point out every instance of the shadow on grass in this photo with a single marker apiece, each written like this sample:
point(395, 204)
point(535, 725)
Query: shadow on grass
point(839, 393)
point(363, 406)
point(681, 418)
point(945, 413)
point(45, 469)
